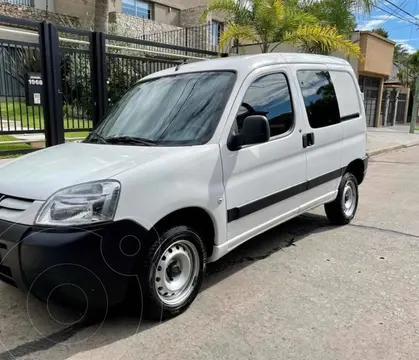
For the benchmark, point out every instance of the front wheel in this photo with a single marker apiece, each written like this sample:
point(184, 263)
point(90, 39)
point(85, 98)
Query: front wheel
point(343, 209)
point(173, 272)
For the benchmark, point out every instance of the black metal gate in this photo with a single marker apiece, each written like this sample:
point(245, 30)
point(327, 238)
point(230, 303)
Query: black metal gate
point(370, 86)
point(80, 75)
point(389, 100)
point(395, 103)
point(17, 59)
point(401, 109)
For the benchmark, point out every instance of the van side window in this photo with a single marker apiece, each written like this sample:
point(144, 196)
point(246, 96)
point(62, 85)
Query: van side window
point(319, 98)
point(269, 96)
point(346, 92)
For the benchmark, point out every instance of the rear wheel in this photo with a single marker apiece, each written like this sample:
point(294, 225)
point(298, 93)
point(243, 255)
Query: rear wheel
point(172, 272)
point(343, 209)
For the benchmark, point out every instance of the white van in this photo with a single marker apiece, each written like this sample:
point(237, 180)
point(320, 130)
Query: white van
point(191, 163)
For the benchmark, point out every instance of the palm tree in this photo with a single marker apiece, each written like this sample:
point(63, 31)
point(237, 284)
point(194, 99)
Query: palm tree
point(338, 14)
point(335, 13)
point(400, 53)
point(277, 21)
point(382, 32)
point(409, 69)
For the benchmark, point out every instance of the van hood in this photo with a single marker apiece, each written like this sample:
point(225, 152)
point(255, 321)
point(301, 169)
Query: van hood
point(39, 174)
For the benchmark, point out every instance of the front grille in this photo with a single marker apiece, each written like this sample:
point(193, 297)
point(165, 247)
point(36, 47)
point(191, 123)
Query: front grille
point(10, 205)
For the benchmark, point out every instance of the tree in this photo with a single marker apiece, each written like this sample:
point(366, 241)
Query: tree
point(400, 53)
point(101, 15)
point(409, 70)
point(277, 21)
point(338, 14)
point(382, 32)
point(335, 13)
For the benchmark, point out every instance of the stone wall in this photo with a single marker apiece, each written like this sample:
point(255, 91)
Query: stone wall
point(30, 13)
point(197, 37)
point(136, 27)
point(192, 16)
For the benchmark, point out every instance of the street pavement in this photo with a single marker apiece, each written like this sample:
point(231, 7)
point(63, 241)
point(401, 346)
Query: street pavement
point(304, 290)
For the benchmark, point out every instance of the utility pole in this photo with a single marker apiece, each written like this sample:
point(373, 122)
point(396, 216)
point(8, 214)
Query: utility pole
point(415, 107)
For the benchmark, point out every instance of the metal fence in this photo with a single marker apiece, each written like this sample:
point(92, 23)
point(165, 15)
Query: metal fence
point(393, 107)
point(370, 87)
point(401, 109)
point(203, 37)
point(17, 59)
point(79, 75)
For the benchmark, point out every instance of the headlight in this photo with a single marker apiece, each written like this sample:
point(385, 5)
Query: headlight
point(81, 204)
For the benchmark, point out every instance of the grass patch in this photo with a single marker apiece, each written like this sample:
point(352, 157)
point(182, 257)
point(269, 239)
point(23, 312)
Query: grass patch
point(12, 146)
point(77, 134)
point(32, 117)
point(9, 147)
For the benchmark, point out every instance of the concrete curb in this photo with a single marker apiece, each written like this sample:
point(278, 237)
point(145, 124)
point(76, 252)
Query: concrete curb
point(391, 148)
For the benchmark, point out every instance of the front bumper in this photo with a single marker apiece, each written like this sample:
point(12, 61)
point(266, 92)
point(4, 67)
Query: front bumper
point(78, 266)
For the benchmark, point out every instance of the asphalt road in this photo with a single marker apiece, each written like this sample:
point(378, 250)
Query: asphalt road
point(305, 290)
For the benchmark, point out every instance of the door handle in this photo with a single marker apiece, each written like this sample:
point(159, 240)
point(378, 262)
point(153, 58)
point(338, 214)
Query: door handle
point(308, 140)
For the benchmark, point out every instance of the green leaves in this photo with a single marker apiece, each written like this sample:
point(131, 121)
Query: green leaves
point(276, 21)
point(326, 39)
point(236, 31)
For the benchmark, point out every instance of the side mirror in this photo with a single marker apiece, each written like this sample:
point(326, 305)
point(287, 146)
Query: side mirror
point(255, 130)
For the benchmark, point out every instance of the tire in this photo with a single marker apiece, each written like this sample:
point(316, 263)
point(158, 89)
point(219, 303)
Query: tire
point(342, 210)
point(177, 256)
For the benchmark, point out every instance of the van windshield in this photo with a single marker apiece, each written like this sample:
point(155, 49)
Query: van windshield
point(174, 110)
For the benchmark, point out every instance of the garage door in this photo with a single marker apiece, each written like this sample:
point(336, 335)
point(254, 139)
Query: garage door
point(370, 86)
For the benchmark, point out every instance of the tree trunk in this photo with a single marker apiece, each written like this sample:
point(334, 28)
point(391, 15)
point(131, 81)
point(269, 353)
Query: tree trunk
point(265, 48)
point(101, 15)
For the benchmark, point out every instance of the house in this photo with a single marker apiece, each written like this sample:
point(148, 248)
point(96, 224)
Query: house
point(152, 15)
point(174, 22)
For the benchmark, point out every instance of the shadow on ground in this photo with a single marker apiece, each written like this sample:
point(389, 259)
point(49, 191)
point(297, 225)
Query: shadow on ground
point(56, 326)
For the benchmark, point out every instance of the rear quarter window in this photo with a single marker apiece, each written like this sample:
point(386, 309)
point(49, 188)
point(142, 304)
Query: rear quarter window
point(319, 98)
point(347, 94)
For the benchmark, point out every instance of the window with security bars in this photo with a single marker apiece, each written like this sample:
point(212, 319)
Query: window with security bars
point(137, 8)
point(216, 30)
point(20, 2)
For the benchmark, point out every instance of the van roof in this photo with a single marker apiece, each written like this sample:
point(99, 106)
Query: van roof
point(247, 63)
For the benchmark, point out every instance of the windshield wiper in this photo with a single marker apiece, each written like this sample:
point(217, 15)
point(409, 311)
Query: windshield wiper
point(98, 136)
point(130, 140)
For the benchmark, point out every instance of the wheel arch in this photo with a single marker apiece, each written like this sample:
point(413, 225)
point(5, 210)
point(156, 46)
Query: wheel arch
point(195, 217)
point(357, 168)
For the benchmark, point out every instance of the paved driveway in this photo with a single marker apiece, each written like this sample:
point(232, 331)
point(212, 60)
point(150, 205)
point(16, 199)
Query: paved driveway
point(305, 290)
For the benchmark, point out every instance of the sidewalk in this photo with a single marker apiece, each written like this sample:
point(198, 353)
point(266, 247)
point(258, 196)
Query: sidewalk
point(380, 140)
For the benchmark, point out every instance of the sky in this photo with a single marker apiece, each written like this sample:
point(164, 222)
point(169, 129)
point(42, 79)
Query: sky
point(400, 30)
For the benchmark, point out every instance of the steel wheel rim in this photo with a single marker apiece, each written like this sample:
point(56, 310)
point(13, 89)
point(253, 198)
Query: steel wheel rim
point(349, 198)
point(176, 272)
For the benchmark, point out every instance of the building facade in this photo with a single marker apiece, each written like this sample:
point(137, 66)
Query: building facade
point(176, 13)
point(175, 22)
